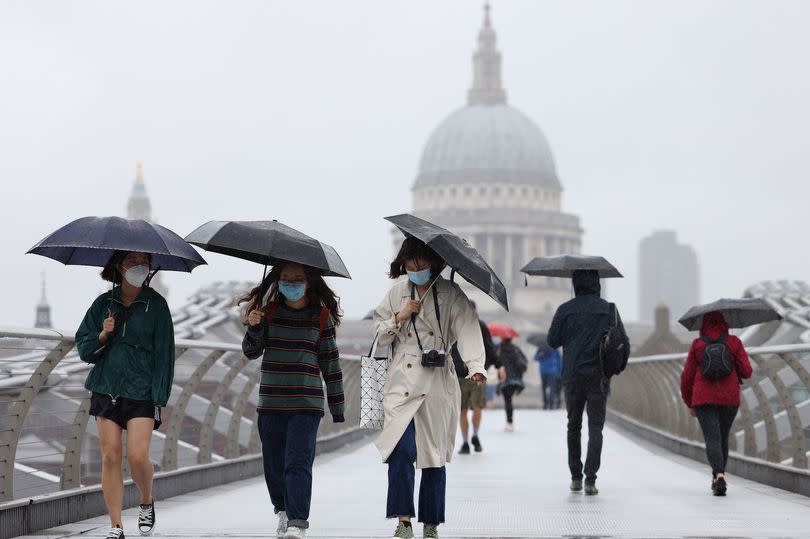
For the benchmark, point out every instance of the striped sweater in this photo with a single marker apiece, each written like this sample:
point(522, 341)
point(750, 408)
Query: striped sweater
point(294, 361)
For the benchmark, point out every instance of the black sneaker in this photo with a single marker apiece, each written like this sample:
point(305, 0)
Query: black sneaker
point(465, 449)
point(146, 518)
point(476, 444)
point(590, 489)
point(115, 533)
point(719, 486)
point(576, 485)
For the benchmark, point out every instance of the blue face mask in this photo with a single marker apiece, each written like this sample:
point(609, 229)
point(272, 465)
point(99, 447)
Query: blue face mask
point(419, 277)
point(292, 291)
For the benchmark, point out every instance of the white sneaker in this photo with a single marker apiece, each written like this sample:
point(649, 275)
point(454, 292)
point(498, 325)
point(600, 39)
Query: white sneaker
point(146, 519)
point(294, 532)
point(282, 524)
point(510, 427)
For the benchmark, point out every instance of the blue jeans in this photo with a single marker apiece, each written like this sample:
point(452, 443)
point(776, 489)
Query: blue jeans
point(288, 451)
point(401, 475)
point(551, 391)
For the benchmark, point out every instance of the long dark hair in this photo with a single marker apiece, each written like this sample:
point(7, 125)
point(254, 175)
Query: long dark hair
point(414, 249)
point(111, 272)
point(318, 292)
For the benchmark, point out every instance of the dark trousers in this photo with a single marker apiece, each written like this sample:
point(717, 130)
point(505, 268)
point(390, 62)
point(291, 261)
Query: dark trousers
point(580, 395)
point(288, 451)
point(507, 393)
point(551, 391)
point(401, 476)
point(715, 422)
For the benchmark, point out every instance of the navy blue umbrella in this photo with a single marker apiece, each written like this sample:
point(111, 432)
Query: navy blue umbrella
point(91, 241)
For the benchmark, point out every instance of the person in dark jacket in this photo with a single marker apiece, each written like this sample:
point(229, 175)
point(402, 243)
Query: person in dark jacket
point(128, 337)
point(473, 394)
point(550, 361)
point(513, 365)
point(715, 402)
point(578, 327)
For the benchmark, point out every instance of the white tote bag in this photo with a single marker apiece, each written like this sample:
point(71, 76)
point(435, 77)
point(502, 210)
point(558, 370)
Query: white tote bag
point(373, 376)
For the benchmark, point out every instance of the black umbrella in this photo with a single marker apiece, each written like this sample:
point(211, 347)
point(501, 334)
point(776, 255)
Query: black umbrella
point(91, 241)
point(458, 254)
point(538, 339)
point(268, 242)
point(739, 313)
point(566, 265)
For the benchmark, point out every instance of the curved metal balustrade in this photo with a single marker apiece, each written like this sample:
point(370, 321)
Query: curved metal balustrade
point(774, 419)
point(47, 443)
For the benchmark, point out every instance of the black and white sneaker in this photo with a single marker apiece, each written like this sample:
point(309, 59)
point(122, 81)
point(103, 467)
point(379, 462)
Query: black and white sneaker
point(476, 443)
point(115, 533)
point(146, 518)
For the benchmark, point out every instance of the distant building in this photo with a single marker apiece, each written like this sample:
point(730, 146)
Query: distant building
point(668, 275)
point(43, 318)
point(662, 340)
point(487, 173)
point(140, 207)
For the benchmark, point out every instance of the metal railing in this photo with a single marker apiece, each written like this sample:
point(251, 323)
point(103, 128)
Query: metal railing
point(47, 443)
point(773, 423)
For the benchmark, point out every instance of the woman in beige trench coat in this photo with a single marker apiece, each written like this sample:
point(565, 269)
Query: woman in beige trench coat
point(422, 403)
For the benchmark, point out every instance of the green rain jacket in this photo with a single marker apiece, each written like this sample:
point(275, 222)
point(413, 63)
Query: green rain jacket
point(138, 359)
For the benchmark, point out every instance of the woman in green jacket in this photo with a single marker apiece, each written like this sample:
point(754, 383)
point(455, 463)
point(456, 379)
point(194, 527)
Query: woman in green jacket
point(128, 336)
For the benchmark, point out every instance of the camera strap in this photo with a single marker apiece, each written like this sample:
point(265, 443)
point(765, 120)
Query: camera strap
point(438, 317)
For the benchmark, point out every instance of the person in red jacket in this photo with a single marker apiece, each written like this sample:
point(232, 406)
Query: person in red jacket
point(715, 402)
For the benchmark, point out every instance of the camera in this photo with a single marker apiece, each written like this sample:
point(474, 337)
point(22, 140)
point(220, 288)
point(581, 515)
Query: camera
point(434, 358)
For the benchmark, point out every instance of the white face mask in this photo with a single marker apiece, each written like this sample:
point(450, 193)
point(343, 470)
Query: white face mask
point(136, 275)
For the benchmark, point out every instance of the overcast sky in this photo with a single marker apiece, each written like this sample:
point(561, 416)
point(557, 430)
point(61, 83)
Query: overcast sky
point(689, 115)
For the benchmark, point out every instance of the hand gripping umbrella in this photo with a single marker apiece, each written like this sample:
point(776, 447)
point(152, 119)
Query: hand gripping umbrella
point(458, 254)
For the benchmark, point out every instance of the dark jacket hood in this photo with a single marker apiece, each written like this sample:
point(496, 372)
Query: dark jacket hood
point(586, 282)
point(714, 325)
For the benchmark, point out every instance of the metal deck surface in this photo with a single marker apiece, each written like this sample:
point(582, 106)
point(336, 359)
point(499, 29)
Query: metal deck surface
point(518, 487)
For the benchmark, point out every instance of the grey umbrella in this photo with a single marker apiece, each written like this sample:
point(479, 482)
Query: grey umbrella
point(566, 265)
point(538, 339)
point(268, 242)
point(739, 313)
point(458, 254)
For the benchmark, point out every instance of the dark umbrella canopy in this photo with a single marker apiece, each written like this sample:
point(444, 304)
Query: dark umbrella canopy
point(538, 339)
point(91, 241)
point(268, 242)
point(566, 265)
point(458, 254)
point(739, 313)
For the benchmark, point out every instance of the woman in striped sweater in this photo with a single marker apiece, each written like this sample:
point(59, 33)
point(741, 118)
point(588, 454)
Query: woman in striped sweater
point(295, 331)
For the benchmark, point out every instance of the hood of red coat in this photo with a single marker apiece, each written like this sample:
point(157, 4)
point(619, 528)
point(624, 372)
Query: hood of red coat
point(714, 325)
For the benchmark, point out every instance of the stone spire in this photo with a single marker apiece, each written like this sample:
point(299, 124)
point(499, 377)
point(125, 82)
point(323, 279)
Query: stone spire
point(487, 88)
point(43, 319)
point(138, 205)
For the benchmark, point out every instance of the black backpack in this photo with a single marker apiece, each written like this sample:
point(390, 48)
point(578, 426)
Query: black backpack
point(612, 351)
point(717, 361)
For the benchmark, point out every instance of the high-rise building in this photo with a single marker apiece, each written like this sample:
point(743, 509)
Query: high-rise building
point(43, 318)
point(668, 275)
point(140, 207)
point(487, 173)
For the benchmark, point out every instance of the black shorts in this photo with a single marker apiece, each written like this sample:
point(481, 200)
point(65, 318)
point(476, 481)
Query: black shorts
point(123, 410)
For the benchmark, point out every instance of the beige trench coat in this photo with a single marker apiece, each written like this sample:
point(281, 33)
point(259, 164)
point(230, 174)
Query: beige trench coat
point(429, 396)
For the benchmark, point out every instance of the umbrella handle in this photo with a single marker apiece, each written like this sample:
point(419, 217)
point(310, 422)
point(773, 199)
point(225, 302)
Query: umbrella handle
point(148, 280)
point(452, 274)
point(260, 299)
